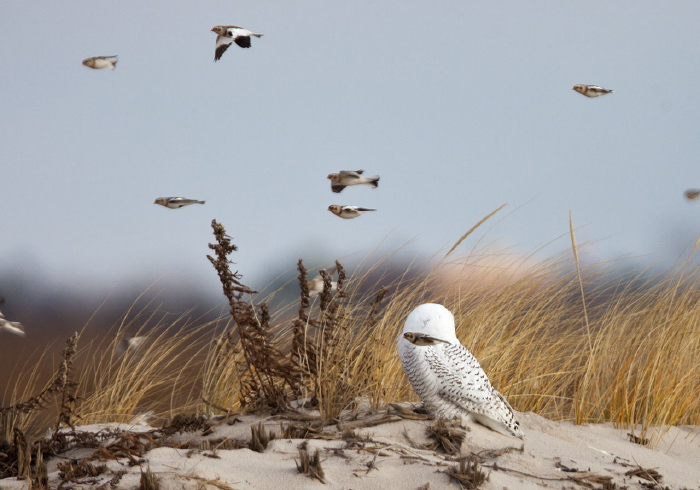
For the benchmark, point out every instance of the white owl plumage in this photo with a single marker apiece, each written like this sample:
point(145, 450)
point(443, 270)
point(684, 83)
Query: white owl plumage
point(447, 377)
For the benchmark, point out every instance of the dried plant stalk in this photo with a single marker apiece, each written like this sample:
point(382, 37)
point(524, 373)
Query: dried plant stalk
point(268, 374)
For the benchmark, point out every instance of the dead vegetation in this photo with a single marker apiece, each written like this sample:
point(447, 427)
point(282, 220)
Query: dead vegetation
point(149, 481)
point(468, 473)
point(447, 436)
point(310, 465)
point(319, 359)
point(266, 374)
point(649, 474)
point(21, 458)
point(260, 437)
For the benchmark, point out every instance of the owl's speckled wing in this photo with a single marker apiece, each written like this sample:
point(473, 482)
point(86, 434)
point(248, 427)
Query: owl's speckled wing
point(447, 377)
point(461, 379)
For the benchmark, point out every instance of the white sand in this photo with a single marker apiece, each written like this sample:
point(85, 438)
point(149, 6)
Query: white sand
point(389, 461)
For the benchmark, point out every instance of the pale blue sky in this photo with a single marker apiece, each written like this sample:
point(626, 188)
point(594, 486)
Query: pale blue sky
point(459, 106)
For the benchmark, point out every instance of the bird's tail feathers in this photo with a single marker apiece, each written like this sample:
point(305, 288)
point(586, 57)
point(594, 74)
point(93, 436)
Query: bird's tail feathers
point(503, 399)
point(114, 64)
point(374, 181)
point(503, 418)
point(200, 202)
point(491, 422)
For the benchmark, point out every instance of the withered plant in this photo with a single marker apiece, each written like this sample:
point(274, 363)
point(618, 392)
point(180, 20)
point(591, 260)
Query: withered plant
point(336, 343)
point(319, 343)
point(16, 449)
point(266, 375)
point(447, 436)
point(468, 473)
point(310, 465)
point(149, 481)
point(260, 438)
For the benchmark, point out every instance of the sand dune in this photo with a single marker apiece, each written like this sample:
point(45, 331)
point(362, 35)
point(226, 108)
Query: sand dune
point(392, 454)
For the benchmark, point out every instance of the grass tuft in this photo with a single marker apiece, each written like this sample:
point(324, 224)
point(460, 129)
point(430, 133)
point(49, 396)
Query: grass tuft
point(447, 436)
point(468, 473)
point(310, 465)
point(149, 481)
point(260, 438)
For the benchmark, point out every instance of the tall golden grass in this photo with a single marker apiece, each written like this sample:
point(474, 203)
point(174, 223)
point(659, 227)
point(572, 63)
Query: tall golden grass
point(567, 340)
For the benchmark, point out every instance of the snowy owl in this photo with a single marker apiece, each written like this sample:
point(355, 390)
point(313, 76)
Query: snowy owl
point(446, 376)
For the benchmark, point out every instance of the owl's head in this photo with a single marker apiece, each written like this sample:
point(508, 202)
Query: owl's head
point(432, 319)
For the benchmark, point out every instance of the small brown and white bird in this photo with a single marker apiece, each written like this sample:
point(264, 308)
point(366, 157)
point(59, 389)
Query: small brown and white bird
point(315, 285)
point(98, 62)
point(12, 327)
point(691, 194)
point(348, 212)
point(422, 339)
point(130, 345)
point(176, 202)
point(231, 34)
point(345, 178)
point(143, 418)
point(591, 90)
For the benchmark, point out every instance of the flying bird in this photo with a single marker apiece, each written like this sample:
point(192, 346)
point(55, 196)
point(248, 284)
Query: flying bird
point(176, 202)
point(347, 212)
point(231, 34)
point(315, 285)
point(345, 178)
point(130, 345)
point(591, 90)
point(143, 418)
point(691, 194)
point(12, 327)
point(446, 376)
point(98, 62)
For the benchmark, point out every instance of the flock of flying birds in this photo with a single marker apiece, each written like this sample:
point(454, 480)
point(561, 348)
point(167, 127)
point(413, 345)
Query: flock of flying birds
point(339, 181)
point(446, 376)
point(225, 37)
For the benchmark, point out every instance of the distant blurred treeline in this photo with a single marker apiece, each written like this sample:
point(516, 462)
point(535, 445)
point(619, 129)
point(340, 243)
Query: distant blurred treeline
point(52, 311)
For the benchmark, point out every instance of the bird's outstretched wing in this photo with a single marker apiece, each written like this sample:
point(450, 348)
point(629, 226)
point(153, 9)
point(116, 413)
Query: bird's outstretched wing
point(351, 173)
point(222, 44)
point(242, 41)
